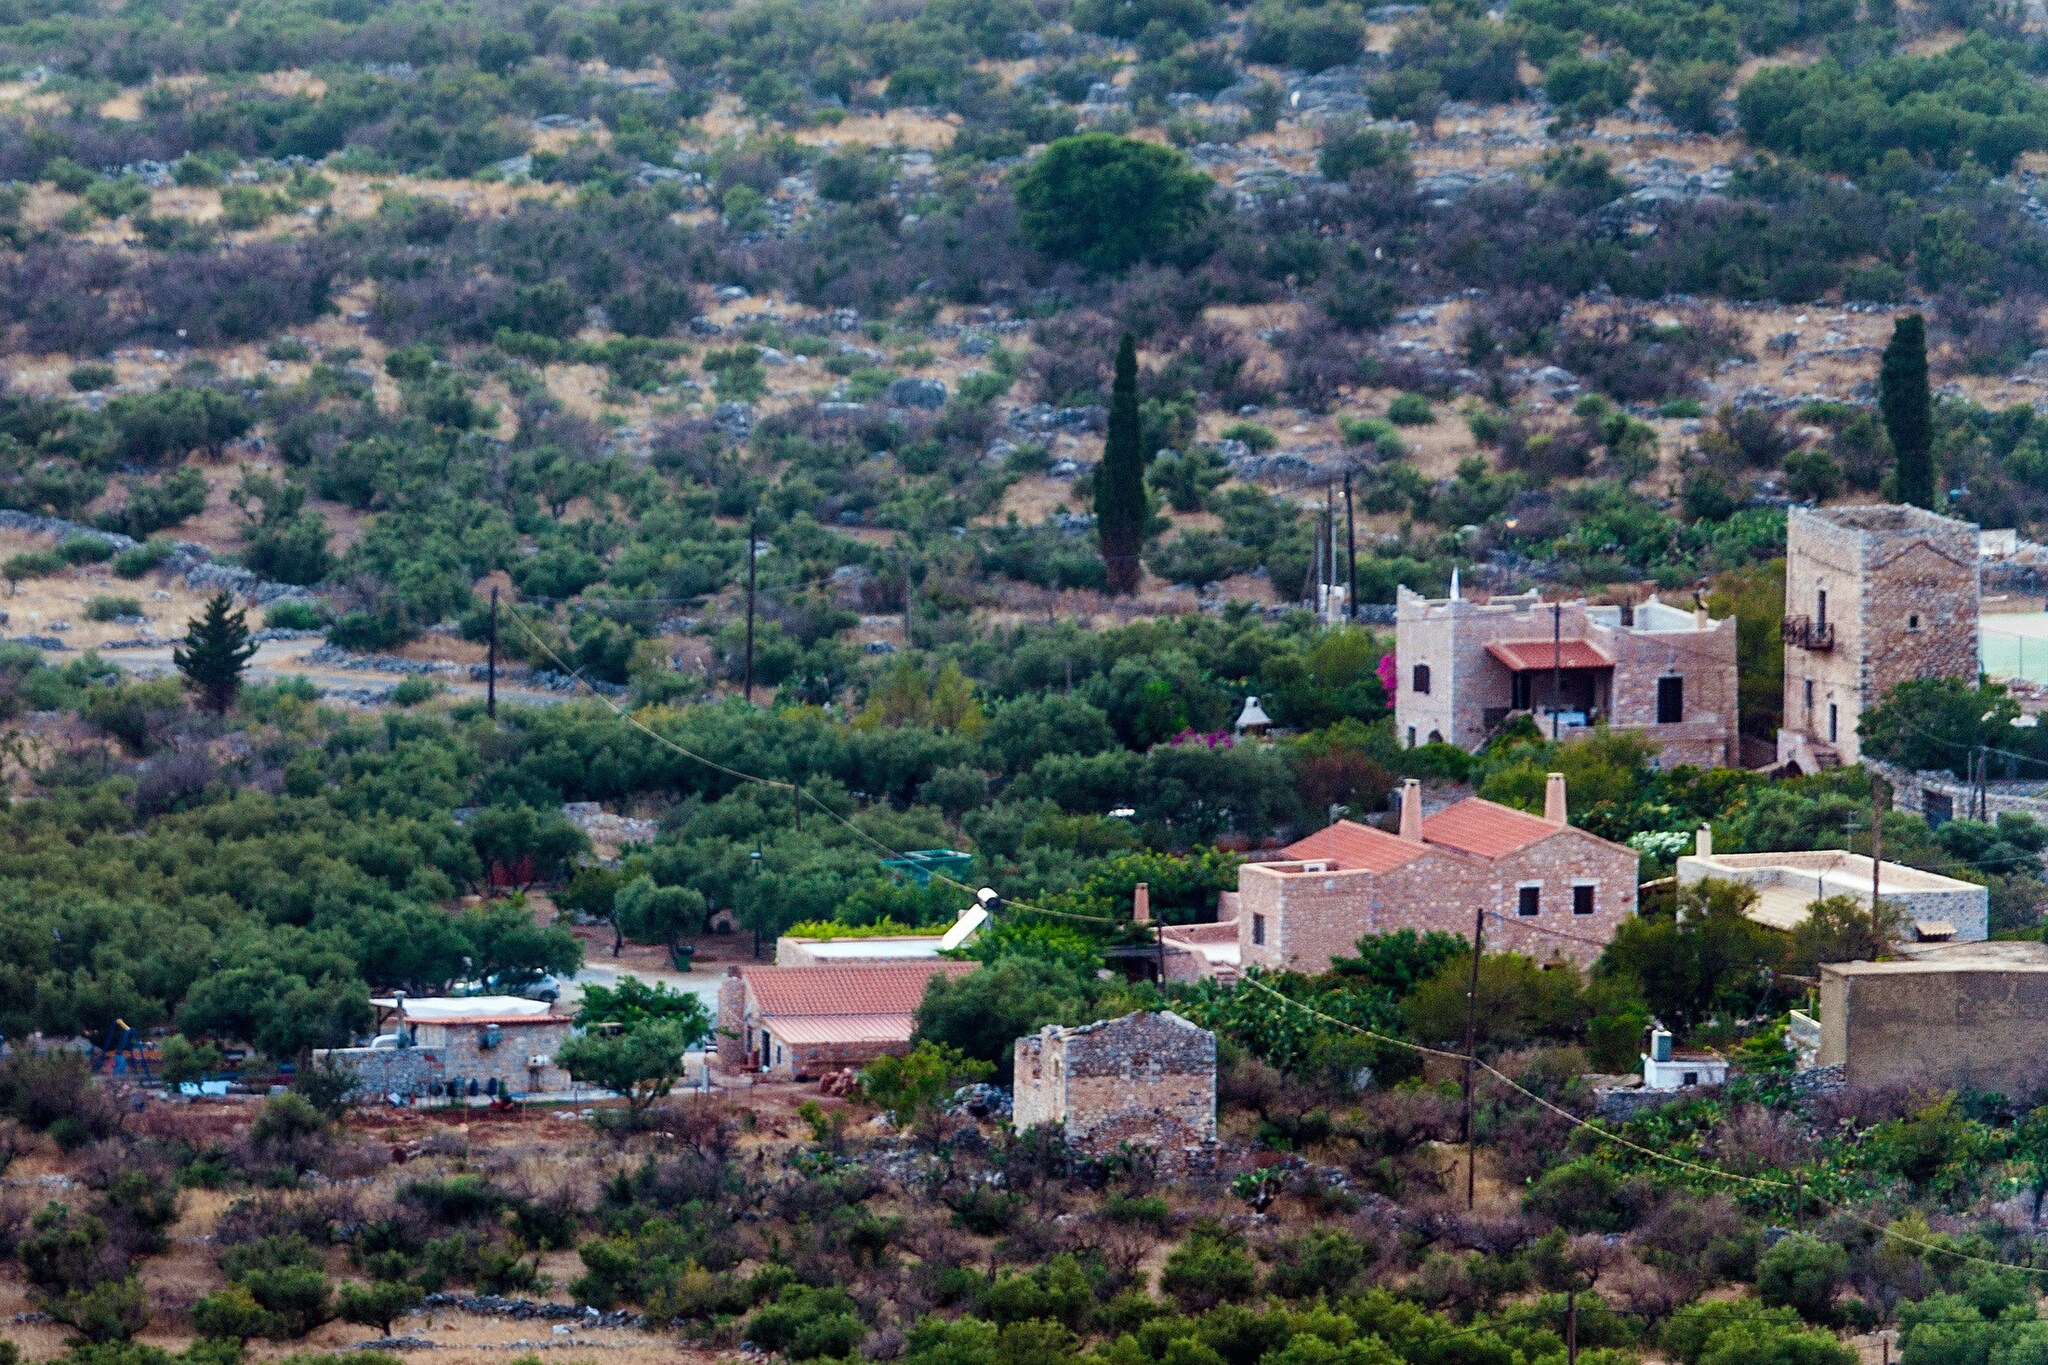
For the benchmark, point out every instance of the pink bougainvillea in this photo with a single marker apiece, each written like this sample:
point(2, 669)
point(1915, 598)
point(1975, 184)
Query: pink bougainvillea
point(1217, 739)
point(1387, 673)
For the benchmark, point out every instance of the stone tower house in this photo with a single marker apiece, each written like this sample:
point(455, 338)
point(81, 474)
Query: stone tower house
point(1874, 596)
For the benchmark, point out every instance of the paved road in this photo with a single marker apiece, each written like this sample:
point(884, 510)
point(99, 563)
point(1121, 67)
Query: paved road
point(703, 985)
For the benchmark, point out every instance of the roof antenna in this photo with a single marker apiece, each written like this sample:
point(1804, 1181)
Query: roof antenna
point(1454, 582)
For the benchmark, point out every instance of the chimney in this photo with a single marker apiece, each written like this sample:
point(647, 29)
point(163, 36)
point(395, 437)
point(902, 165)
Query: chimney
point(733, 969)
point(1700, 619)
point(1411, 811)
point(1141, 904)
point(1703, 845)
point(1553, 799)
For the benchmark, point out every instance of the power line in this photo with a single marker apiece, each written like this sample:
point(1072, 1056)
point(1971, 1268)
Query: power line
point(1798, 1190)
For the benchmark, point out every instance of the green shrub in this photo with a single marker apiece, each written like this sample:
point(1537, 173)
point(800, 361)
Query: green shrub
point(413, 691)
point(83, 549)
point(805, 1324)
point(32, 564)
point(137, 560)
point(108, 608)
point(295, 613)
point(89, 376)
point(1260, 439)
point(244, 207)
point(1410, 410)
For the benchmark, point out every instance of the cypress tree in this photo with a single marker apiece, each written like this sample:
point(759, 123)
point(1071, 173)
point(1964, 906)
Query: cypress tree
point(1120, 481)
point(1908, 408)
point(215, 651)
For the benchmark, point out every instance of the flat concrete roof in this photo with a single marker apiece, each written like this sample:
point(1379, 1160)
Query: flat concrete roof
point(869, 949)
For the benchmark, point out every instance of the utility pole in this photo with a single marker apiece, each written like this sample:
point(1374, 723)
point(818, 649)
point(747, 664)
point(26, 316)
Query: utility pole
point(750, 610)
point(1556, 665)
point(1471, 1055)
point(491, 668)
point(1571, 1325)
point(908, 643)
point(797, 790)
point(1876, 839)
point(1351, 549)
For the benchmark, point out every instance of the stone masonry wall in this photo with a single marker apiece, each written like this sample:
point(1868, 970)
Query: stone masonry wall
point(808, 1061)
point(1465, 681)
point(1147, 1080)
point(1706, 661)
point(732, 1022)
point(1311, 918)
point(1880, 568)
point(457, 1056)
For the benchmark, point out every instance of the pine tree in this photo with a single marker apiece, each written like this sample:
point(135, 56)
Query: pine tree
point(1120, 481)
point(1908, 408)
point(215, 651)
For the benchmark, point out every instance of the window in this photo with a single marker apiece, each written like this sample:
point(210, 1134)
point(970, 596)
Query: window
point(1820, 614)
point(1420, 678)
point(1258, 928)
point(1809, 697)
point(1582, 899)
point(1689, 1078)
point(1913, 621)
point(1670, 701)
point(1528, 900)
point(1411, 736)
point(1834, 723)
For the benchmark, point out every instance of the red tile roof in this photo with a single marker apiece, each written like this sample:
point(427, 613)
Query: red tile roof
point(1525, 655)
point(1485, 829)
point(1352, 845)
point(879, 988)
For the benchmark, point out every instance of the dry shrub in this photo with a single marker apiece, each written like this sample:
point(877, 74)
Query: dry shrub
point(1071, 365)
point(1756, 1139)
point(1626, 353)
point(1645, 1293)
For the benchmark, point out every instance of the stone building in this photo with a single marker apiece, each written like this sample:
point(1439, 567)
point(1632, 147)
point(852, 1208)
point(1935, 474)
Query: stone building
point(1147, 1080)
point(1547, 888)
point(796, 1023)
point(467, 1047)
point(1874, 596)
point(1936, 908)
point(1467, 666)
point(1942, 1017)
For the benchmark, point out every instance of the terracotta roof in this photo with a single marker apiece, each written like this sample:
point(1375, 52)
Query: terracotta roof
point(1352, 845)
point(1484, 828)
point(843, 1028)
point(879, 988)
point(1525, 655)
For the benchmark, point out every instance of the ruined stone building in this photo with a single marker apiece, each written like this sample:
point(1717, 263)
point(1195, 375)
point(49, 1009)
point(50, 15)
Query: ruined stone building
point(1874, 596)
point(1468, 666)
point(1547, 889)
point(1146, 1080)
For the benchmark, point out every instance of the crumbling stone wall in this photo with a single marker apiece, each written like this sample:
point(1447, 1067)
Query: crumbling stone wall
point(1146, 1080)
